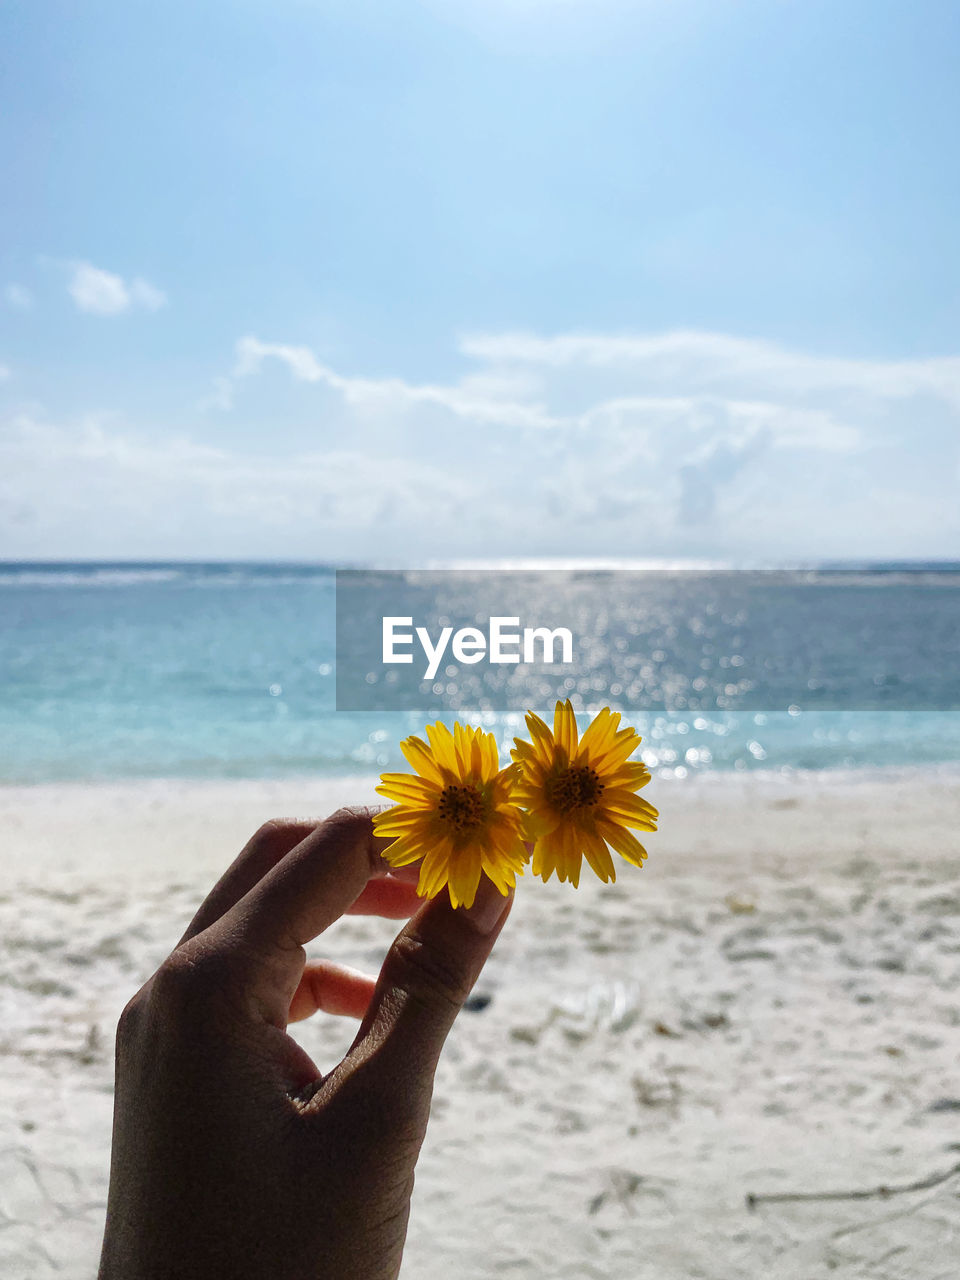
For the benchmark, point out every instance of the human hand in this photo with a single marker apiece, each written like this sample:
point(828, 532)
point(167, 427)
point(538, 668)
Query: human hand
point(233, 1158)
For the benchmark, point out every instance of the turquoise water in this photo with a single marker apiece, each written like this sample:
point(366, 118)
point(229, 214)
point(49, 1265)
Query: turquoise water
point(218, 671)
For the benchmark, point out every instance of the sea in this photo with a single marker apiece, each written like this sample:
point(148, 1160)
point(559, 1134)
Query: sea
point(226, 670)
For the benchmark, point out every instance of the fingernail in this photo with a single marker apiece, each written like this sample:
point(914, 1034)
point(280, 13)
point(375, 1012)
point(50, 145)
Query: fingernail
point(488, 906)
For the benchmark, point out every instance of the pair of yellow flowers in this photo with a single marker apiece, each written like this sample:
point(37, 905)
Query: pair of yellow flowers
point(564, 798)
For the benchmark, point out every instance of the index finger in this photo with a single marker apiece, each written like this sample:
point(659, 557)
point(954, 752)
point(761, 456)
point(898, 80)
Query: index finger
point(263, 850)
point(313, 885)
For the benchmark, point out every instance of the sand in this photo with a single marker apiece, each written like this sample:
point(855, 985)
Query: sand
point(771, 1005)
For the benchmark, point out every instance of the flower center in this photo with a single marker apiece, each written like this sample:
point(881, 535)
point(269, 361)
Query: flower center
point(461, 807)
point(574, 789)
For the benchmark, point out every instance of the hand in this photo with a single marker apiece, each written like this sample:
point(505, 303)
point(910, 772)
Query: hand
point(233, 1159)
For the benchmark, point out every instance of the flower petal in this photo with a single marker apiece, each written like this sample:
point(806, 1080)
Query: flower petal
point(565, 728)
point(598, 855)
point(633, 775)
point(624, 744)
point(421, 758)
point(464, 877)
point(491, 756)
point(409, 788)
point(399, 821)
point(433, 871)
point(624, 841)
point(442, 744)
point(628, 808)
point(405, 850)
point(599, 734)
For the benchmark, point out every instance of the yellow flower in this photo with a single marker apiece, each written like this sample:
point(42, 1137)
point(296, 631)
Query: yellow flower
point(579, 794)
point(457, 812)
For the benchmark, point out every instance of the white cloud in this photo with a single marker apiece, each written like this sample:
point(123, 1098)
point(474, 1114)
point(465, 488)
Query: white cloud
point(144, 294)
point(101, 293)
point(4, 372)
point(791, 427)
point(98, 292)
point(669, 445)
point(723, 444)
point(18, 297)
point(100, 489)
point(711, 360)
point(462, 400)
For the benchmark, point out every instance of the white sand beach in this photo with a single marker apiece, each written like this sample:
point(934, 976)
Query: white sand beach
point(770, 1006)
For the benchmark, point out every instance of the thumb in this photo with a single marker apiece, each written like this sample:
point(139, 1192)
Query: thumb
point(426, 977)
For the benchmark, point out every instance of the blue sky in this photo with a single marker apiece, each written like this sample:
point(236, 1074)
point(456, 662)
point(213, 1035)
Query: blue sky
point(391, 281)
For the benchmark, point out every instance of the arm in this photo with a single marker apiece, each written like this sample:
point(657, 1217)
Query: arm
point(232, 1154)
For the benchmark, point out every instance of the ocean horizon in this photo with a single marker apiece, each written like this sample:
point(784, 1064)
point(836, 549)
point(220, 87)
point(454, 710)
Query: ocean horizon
point(121, 669)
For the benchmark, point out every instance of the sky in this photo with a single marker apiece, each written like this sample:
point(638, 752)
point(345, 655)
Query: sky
point(392, 282)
